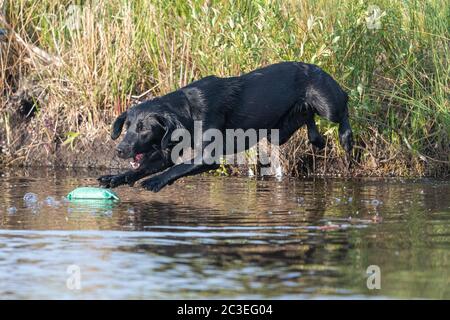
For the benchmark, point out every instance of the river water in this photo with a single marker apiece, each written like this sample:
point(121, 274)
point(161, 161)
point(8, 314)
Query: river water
point(225, 237)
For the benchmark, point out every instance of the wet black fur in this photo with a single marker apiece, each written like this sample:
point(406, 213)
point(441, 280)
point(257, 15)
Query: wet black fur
point(282, 96)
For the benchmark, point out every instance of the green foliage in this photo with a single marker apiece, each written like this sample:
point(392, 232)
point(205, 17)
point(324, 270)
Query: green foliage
point(393, 60)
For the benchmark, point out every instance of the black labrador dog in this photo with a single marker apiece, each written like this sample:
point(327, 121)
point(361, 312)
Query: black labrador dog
point(283, 96)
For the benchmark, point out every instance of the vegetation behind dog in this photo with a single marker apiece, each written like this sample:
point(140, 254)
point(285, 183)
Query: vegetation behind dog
point(68, 68)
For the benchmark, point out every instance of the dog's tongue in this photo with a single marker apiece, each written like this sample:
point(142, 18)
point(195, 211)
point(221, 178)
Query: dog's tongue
point(136, 161)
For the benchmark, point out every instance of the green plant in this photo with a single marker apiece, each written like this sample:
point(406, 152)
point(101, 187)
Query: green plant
point(101, 54)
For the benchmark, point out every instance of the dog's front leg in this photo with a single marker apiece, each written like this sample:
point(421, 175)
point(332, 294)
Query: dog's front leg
point(176, 172)
point(153, 163)
point(128, 177)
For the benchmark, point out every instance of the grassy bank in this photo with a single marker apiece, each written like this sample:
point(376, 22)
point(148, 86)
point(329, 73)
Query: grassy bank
point(66, 68)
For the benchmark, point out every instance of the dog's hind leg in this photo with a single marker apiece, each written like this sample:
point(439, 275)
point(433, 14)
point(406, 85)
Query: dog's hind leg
point(346, 135)
point(294, 120)
point(314, 137)
point(328, 100)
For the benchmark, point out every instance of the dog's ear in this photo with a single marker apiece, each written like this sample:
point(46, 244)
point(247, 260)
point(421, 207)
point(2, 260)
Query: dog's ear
point(117, 125)
point(169, 123)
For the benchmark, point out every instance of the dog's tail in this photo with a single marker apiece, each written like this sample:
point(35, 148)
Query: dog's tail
point(328, 100)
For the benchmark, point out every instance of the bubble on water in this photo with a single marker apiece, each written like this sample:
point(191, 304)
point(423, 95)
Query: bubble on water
point(12, 210)
point(50, 201)
point(350, 199)
point(300, 199)
point(108, 213)
point(375, 202)
point(30, 197)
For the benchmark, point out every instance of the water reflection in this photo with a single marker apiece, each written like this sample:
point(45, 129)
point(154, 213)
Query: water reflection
point(226, 237)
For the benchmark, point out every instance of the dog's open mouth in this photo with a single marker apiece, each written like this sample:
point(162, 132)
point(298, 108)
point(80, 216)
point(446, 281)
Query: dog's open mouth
point(136, 163)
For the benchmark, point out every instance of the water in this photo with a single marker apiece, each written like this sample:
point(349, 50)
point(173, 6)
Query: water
point(224, 237)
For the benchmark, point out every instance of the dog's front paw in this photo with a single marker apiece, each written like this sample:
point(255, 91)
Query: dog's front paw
point(155, 183)
point(104, 180)
point(111, 181)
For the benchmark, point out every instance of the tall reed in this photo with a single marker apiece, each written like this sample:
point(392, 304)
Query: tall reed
point(392, 57)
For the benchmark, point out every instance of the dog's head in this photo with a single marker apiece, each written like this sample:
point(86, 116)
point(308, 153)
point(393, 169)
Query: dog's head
point(148, 129)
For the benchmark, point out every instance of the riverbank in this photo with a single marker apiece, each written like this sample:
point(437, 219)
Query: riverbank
point(67, 71)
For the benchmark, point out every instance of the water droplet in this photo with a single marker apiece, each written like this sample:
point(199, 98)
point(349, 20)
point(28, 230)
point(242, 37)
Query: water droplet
point(30, 197)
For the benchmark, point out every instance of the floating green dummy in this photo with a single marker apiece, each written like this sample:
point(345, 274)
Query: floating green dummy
point(91, 193)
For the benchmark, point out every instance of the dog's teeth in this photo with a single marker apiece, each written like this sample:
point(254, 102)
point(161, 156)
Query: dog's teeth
point(134, 165)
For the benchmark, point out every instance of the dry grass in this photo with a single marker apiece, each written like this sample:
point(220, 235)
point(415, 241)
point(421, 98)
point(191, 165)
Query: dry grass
point(67, 68)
